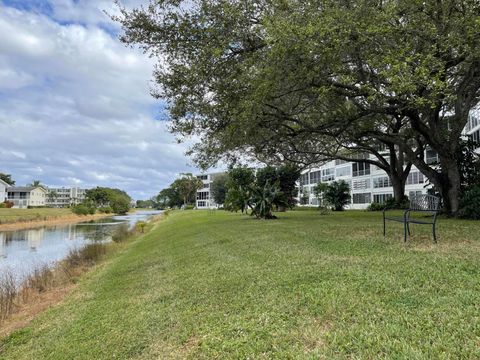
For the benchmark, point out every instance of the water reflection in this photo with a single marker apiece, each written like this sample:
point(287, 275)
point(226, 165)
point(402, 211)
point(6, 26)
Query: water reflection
point(22, 251)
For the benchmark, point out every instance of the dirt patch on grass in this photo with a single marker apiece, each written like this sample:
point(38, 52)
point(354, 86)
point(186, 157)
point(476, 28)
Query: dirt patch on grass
point(311, 335)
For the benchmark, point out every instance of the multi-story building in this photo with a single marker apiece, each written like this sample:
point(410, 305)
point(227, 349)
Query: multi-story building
point(65, 197)
point(204, 197)
point(3, 190)
point(367, 182)
point(25, 196)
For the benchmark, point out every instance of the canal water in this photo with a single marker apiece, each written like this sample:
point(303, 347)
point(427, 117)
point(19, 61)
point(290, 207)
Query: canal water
point(22, 251)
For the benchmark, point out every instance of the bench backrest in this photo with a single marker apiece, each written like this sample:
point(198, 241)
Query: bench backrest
point(425, 203)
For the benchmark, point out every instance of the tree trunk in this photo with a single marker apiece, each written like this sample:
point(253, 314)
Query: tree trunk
point(398, 184)
point(451, 187)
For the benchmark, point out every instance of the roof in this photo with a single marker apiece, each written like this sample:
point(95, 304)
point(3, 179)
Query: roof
point(24, 188)
point(4, 183)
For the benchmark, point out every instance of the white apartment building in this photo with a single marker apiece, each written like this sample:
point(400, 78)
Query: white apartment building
point(25, 196)
point(204, 199)
point(367, 182)
point(61, 197)
point(3, 190)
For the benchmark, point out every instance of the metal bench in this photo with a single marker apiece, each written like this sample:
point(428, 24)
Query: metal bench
point(428, 205)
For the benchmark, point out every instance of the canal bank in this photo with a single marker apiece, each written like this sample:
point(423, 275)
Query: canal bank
point(46, 220)
point(45, 264)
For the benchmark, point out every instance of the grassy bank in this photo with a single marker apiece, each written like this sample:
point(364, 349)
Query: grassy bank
point(17, 215)
point(222, 285)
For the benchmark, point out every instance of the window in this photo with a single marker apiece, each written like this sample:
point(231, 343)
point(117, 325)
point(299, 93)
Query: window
point(23, 195)
point(476, 137)
point(314, 201)
point(343, 171)
point(362, 198)
point(412, 194)
point(202, 177)
point(203, 195)
point(361, 184)
point(473, 120)
point(328, 174)
point(206, 186)
point(201, 203)
point(315, 177)
point(382, 182)
point(415, 177)
point(360, 169)
point(431, 156)
point(304, 179)
point(381, 198)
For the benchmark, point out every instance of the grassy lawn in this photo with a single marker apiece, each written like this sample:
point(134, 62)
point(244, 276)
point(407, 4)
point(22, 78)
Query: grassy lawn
point(15, 215)
point(223, 285)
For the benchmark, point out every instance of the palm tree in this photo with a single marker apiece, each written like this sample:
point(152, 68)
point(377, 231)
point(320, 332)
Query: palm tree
point(35, 183)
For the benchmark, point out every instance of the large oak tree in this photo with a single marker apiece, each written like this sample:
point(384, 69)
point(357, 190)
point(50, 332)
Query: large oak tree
point(297, 73)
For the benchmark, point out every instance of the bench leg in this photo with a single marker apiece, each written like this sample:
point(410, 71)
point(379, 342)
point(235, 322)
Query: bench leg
point(408, 228)
point(434, 234)
point(384, 226)
point(405, 224)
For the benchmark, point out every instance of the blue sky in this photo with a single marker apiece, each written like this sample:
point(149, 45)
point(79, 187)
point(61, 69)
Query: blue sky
point(75, 104)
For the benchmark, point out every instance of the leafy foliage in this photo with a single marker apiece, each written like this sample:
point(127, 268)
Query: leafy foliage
point(7, 178)
point(291, 80)
point(186, 187)
point(218, 188)
point(102, 197)
point(470, 204)
point(337, 195)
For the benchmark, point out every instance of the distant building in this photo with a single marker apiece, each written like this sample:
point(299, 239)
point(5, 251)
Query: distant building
point(24, 196)
point(3, 190)
point(65, 197)
point(204, 198)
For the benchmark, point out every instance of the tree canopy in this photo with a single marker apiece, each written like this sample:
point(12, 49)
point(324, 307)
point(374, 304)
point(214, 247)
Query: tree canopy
point(304, 81)
point(7, 178)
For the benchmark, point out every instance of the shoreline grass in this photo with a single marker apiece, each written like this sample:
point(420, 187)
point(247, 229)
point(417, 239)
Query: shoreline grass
point(16, 297)
point(9, 216)
point(224, 285)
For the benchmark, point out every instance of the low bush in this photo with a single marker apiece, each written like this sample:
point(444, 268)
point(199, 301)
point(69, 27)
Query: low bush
point(470, 204)
point(390, 204)
point(83, 209)
point(105, 210)
point(8, 204)
point(122, 233)
point(189, 207)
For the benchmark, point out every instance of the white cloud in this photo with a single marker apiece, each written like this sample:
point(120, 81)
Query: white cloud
point(75, 105)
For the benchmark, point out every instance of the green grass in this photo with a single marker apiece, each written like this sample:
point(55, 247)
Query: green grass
point(15, 215)
point(223, 285)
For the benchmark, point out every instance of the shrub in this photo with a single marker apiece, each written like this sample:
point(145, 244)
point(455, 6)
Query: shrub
point(105, 210)
point(470, 204)
point(121, 233)
point(83, 209)
point(3, 205)
point(188, 207)
point(376, 207)
point(8, 204)
point(337, 195)
point(390, 204)
point(120, 205)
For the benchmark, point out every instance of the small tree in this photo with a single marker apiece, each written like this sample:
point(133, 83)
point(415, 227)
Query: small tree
point(319, 190)
point(52, 196)
point(239, 184)
point(264, 198)
point(7, 178)
point(337, 195)
point(218, 188)
point(187, 186)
